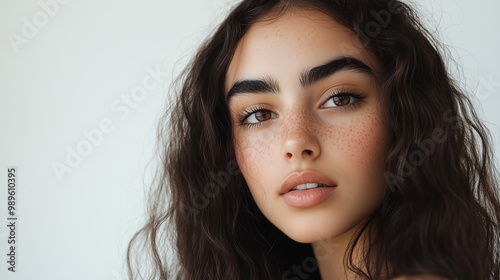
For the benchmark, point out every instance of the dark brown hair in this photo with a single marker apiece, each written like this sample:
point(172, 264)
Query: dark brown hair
point(441, 216)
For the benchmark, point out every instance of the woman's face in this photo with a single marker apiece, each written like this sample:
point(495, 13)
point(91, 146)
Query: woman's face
point(305, 107)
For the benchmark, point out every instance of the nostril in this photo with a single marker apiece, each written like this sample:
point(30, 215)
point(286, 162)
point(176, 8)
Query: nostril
point(305, 153)
point(301, 148)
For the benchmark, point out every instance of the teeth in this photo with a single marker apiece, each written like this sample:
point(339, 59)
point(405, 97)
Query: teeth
point(308, 186)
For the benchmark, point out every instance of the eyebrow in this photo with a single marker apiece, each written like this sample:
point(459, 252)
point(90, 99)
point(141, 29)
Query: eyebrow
point(307, 78)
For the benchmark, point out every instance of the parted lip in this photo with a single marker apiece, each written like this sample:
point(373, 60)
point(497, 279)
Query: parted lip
point(303, 177)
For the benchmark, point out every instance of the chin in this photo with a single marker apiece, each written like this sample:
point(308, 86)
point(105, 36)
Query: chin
point(322, 227)
point(314, 232)
point(303, 237)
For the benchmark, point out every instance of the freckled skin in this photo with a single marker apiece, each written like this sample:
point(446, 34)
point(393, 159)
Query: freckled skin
point(346, 145)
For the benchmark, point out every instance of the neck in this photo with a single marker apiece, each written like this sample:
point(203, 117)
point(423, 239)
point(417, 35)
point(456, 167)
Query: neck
point(330, 253)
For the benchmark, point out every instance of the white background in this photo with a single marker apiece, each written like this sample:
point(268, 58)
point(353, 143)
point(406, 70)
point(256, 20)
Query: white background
point(73, 72)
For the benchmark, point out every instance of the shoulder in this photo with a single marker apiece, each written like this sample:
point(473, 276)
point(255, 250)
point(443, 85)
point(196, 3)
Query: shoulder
point(420, 277)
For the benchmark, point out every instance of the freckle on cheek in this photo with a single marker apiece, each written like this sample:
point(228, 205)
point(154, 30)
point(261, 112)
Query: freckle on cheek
point(357, 139)
point(255, 153)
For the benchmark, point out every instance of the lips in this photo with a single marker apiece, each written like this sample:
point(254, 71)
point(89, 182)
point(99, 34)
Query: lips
point(297, 180)
point(306, 189)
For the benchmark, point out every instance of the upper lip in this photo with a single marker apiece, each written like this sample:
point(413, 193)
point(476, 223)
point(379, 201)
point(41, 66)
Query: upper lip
point(303, 177)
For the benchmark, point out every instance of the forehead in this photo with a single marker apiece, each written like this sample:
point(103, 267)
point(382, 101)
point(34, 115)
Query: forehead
point(296, 41)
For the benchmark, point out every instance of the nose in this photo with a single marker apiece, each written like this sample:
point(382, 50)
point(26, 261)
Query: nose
point(300, 140)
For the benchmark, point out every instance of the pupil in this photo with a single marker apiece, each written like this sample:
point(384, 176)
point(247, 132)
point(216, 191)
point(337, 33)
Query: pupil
point(341, 100)
point(262, 116)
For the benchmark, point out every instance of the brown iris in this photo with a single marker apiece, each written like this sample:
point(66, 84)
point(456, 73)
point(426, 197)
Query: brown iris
point(341, 100)
point(263, 115)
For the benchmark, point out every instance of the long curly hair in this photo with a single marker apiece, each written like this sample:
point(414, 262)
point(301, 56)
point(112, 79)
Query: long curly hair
point(441, 217)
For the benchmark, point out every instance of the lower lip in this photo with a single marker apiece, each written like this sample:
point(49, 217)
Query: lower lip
point(307, 198)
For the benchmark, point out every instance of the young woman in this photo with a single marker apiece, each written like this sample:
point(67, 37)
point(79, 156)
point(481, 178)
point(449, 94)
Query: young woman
point(321, 139)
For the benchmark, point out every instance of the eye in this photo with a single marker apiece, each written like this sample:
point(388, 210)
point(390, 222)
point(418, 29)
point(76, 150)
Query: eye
point(255, 116)
point(342, 99)
point(260, 116)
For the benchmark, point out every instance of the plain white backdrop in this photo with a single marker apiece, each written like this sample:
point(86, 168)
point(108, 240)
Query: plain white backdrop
point(82, 84)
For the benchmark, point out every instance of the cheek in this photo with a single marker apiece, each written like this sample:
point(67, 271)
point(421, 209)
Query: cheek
point(363, 145)
point(254, 153)
point(362, 141)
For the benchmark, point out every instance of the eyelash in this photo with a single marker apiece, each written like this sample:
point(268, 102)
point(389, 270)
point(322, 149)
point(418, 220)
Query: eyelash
point(358, 98)
point(248, 112)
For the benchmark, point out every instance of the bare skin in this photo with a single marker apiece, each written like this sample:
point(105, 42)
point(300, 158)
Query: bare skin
point(330, 127)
